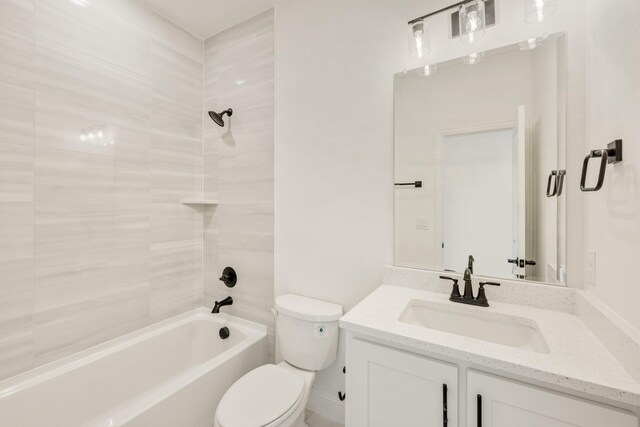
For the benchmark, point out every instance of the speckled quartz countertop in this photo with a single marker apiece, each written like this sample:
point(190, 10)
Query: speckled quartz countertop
point(577, 360)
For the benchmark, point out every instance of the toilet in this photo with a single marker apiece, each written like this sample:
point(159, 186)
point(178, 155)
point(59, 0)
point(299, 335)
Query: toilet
point(276, 395)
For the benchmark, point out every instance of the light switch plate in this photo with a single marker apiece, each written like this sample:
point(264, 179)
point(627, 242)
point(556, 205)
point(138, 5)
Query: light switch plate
point(422, 224)
point(590, 269)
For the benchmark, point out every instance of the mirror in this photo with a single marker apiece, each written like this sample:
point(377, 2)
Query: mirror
point(479, 163)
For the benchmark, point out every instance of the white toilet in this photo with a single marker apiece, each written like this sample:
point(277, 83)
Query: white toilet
point(276, 395)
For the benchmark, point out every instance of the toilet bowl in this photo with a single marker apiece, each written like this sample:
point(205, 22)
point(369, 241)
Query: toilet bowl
point(277, 395)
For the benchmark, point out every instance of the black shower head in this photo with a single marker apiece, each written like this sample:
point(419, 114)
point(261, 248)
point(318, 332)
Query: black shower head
point(218, 117)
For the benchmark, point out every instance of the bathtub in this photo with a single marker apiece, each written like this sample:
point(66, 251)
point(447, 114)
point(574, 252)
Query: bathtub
point(170, 374)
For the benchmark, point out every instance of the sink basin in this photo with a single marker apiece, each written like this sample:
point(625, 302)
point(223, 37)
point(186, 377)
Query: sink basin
point(513, 331)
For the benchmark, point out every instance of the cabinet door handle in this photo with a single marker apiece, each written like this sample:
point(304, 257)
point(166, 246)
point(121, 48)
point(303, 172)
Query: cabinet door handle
point(445, 418)
point(479, 410)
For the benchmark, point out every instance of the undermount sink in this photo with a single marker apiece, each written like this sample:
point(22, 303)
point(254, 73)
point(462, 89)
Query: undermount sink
point(513, 331)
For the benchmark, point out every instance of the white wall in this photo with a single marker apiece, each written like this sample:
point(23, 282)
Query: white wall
point(334, 137)
point(613, 105)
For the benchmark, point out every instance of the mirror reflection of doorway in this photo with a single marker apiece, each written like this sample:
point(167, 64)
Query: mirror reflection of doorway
point(477, 167)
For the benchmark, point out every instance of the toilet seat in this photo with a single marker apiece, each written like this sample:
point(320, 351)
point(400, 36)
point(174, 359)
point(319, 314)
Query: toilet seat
point(260, 397)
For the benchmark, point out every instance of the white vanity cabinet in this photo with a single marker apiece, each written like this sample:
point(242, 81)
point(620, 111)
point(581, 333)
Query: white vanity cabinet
point(392, 388)
point(388, 387)
point(506, 403)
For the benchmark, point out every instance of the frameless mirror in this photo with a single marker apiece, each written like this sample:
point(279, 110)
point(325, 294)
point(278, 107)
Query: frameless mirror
point(479, 163)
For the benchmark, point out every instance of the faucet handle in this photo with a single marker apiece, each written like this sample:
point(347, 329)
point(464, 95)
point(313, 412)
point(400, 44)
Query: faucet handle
point(482, 297)
point(489, 283)
point(455, 292)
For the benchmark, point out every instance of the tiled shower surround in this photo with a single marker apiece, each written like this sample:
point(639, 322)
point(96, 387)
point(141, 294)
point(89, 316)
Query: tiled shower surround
point(239, 167)
point(101, 136)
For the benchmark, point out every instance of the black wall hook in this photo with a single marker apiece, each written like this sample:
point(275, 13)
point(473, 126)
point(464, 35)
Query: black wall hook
point(612, 154)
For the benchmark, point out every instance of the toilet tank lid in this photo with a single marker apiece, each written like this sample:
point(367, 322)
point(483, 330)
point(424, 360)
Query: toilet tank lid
point(305, 308)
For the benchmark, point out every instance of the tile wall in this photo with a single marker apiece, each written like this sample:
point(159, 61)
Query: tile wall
point(239, 167)
point(94, 241)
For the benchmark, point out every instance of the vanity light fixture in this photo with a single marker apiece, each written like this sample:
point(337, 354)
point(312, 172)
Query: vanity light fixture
point(539, 10)
point(471, 19)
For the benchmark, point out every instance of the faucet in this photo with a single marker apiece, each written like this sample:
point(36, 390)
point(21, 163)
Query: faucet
point(468, 298)
point(470, 263)
point(218, 304)
point(468, 289)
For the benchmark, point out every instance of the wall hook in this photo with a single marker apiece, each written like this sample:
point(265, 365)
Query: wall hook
point(342, 396)
point(612, 154)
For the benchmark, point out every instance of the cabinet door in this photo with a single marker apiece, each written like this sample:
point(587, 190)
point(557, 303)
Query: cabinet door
point(496, 402)
point(392, 388)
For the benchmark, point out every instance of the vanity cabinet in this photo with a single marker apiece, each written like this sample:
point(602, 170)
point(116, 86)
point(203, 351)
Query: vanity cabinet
point(388, 387)
point(498, 402)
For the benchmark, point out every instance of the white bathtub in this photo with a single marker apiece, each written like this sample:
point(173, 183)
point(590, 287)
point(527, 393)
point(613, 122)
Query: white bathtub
point(169, 374)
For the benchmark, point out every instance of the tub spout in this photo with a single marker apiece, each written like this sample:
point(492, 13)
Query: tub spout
point(218, 304)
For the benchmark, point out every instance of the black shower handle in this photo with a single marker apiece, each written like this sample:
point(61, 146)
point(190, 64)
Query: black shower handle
point(594, 154)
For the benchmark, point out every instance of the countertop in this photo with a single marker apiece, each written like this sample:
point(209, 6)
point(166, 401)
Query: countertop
point(577, 360)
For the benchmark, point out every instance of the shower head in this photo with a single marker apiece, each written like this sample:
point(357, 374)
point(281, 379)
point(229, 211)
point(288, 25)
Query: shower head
point(218, 117)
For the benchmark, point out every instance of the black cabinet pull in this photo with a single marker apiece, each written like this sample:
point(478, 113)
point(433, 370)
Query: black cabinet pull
point(445, 418)
point(479, 410)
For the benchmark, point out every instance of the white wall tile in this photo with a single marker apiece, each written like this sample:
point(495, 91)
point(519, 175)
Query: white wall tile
point(94, 241)
point(238, 168)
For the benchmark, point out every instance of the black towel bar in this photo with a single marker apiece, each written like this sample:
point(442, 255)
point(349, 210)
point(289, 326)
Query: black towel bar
point(416, 184)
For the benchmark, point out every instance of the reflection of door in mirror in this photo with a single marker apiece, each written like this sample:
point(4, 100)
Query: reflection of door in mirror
point(478, 166)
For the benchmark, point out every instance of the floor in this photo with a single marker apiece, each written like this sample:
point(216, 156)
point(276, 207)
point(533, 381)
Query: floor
point(317, 420)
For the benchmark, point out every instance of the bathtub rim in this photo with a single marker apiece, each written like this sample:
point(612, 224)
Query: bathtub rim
point(253, 331)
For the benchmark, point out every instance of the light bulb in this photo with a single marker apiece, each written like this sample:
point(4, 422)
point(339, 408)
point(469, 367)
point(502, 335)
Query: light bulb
point(531, 43)
point(472, 21)
point(428, 70)
point(473, 58)
point(419, 45)
point(539, 10)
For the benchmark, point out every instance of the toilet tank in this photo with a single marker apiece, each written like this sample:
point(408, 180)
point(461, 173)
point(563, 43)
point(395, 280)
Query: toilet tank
point(307, 331)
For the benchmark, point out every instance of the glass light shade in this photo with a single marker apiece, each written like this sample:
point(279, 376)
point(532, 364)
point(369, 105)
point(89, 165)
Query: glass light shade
point(473, 58)
point(419, 42)
point(539, 10)
point(428, 70)
point(472, 21)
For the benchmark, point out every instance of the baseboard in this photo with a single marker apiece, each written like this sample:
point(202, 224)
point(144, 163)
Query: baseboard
point(327, 405)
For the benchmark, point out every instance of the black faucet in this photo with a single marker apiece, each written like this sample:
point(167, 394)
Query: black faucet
point(467, 298)
point(468, 289)
point(470, 263)
point(218, 304)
